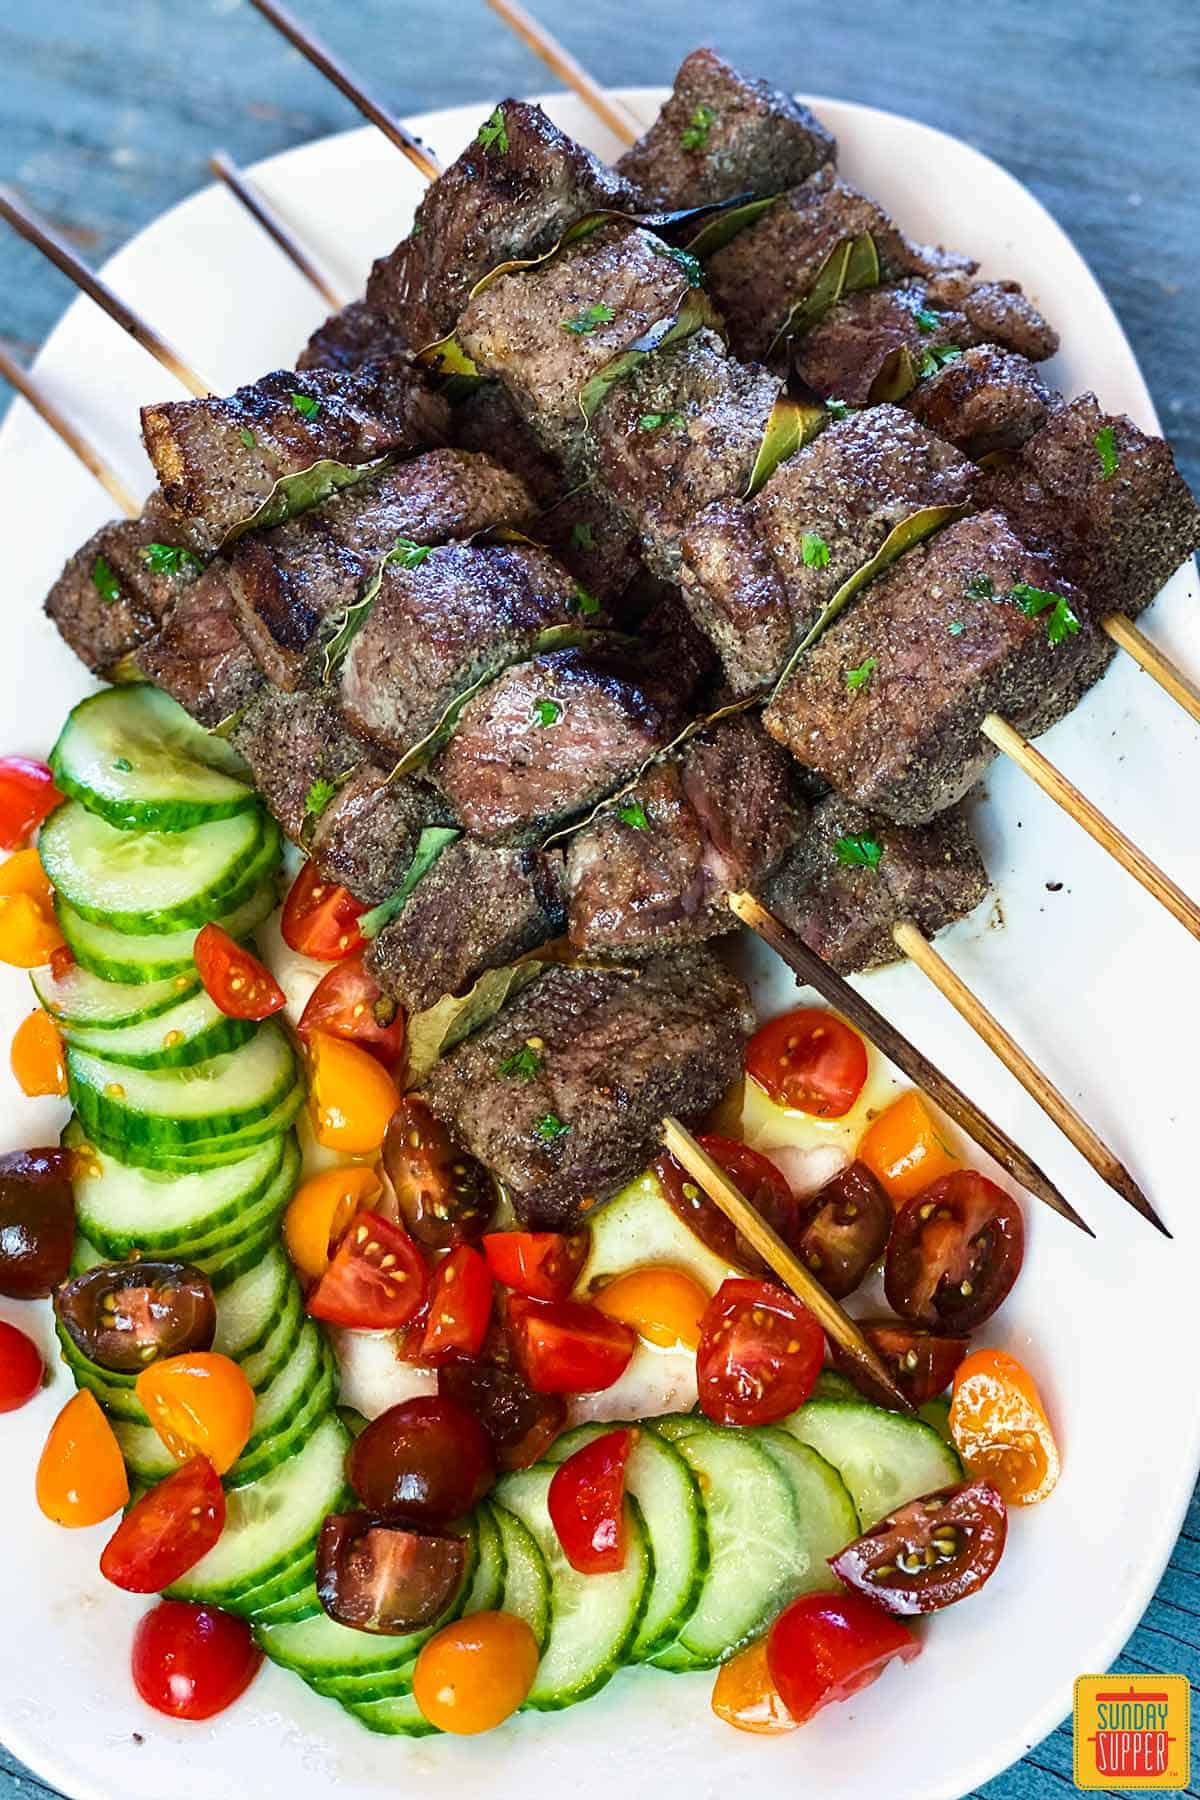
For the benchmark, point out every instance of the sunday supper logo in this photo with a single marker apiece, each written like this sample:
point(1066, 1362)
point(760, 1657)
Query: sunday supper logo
point(1133, 1736)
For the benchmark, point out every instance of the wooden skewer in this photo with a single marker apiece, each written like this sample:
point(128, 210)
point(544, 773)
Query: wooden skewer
point(335, 71)
point(835, 1323)
point(63, 257)
point(265, 215)
point(833, 987)
point(969, 1007)
point(556, 56)
point(1170, 678)
point(32, 390)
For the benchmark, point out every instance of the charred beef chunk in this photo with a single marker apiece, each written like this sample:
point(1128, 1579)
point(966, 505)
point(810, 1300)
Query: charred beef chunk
point(947, 635)
point(719, 135)
point(691, 832)
point(364, 839)
point(616, 1052)
point(1113, 510)
point(298, 749)
point(681, 431)
point(116, 590)
point(200, 655)
point(984, 400)
point(997, 312)
point(549, 738)
point(512, 192)
point(350, 338)
point(466, 611)
point(757, 576)
point(844, 906)
point(293, 579)
point(759, 276)
point(546, 331)
point(219, 459)
point(477, 909)
point(485, 419)
point(594, 542)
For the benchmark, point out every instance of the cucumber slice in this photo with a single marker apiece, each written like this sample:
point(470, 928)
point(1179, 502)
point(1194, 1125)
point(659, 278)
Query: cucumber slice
point(193, 1030)
point(936, 1414)
point(114, 1391)
point(593, 1618)
point(883, 1458)
point(261, 1366)
point(150, 881)
point(759, 1559)
point(208, 1153)
point(290, 1409)
point(290, 1610)
point(397, 1717)
point(172, 1108)
point(638, 1227)
point(249, 1311)
point(120, 957)
point(79, 1000)
point(289, 1584)
point(132, 755)
point(831, 1385)
point(828, 1516)
point(673, 1513)
point(526, 1577)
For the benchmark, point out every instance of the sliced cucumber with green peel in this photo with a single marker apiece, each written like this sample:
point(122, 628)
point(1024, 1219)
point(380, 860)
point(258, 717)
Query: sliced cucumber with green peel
point(290, 1610)
point(526, 1577)
point(121, 958)
point(79, 1000)
point(936, 1414)
point(397, 1717)
point(883, 1458)
point(289, 1410)
point(828, 1516)
point(208, 1153)
point(261, 1366)
point(832, 1385)
point(251, 1308)
point(152, 881)
point(114, 1391)
point(190, 1032)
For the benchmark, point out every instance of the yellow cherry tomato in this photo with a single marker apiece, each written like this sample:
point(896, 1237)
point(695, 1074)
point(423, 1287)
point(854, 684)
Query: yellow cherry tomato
point(745, 1696)
point(1000, 1428)
point(29, 933)
point(37, 1056)
point(662, 1304)
point(351, 1095)
point(904, 1149)
point(200, 1404)
point(474, 1674)
point(81, 1475)
point(321, 1209)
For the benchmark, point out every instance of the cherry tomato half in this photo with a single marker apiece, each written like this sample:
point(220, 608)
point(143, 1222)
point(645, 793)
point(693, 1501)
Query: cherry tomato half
point(586, 1502)
point(21, 1368)
point(475, 1673)
point(192, 1661)
point(826, 1647)
point(27, 796)
point(843, 1229)
point(745, 1696)
point(81, 1475)
point(760, 1353)
point(352, 1098)
point(234, 980)
point(426, 1458)
point(320, 1212)
point(460, 1307)
point(124, 1315)
point(445, 1197)
point(381, 1576)
point(662, 1304)
point(168, 1530)
point(37, 1222)
point(29, 934)
point(568, 1347)
point(904, 1148)
point(920, 1362)
point(809, 1060)
point(756, 1177)
point(320, 919)
point(1000, 1428)
point(348, 1002)
point(519, 1423)
point(37, 1056)
point(926, 1555)
point(200, 1404)
point(955, 1251)
point(376, 1281)
point(541, 1264)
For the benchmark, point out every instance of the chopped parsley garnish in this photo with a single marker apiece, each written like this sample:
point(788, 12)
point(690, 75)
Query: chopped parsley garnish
point(926, 320)
point(583, 602)
point(550, 1126)
point(956, 629)
point(306, 406)
point(318, 797)
point(652, 421)
point(493, 134)
point(814, 550)
point(247, 436)
point(1105, 441)
point(122, 765)
point(1033, 601)
point(687, 262)
point(169, 559)
point(105, 582)
point(634, 813)
point(695, 134)
point(858, 678)
point(937, 358)
point(546, 712)
point(837, 409)
point(581, 537)
point(980, 587)
point(408, 554)
point(523, 1065)
point(599, 313)
point(862, 852)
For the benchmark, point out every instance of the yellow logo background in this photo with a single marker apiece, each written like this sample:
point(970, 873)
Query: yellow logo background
point(1132, 1732)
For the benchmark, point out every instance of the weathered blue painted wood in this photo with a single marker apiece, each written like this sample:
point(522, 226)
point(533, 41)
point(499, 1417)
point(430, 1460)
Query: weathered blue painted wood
point(108, 114)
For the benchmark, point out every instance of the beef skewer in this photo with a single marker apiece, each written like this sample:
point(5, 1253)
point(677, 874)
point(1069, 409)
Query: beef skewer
point(265, 215)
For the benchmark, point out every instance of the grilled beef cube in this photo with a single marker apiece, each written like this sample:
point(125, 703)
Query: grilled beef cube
point(219, 459)
point(297, 747)
point(200, 655)
point(616, 1053)
point(549, 738)
point(1118, 535)
point(720, 134)
point(713, 821)
point(350, 338)
point(116, 590)
point(485, 419)
point(594, 542)
point(546, 331)
point(844, 908)
point(293, 579)
point(936, 643)
point(511, 197)
point(759, 276)
point(757, 576)
point(365, 837)
point(478, 908)
point(465, 612)
point(984, 400)
point(997, 312)
point(682, 430)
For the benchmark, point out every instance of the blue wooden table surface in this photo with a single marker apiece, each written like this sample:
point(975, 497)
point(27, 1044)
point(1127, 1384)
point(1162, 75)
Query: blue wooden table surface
point(109, 113)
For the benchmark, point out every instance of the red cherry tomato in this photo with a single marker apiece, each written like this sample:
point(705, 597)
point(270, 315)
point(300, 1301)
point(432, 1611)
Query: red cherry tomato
point(376, 1280)
point(809, 1060)
point(233, 979)
point(348, 1002)
point(920, 1362)
point(27, 796)
point(427, 1459)
point(192, 1661)
point(541, 1264)
point(168, 1530)
point(763, 1185)
point(955, 1251)
point(320, 919)
point(825, 1647)
point(760, 1353)
point(460, 1307)
point(567, 1347)
point(587, 1504)
point(20, 1368)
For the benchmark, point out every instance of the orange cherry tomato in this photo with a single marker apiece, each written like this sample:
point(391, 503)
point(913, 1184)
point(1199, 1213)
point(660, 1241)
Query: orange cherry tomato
point(37, 1056)
point(200, 1404)
point(29, 933)
point(904, 1149)
point(320, 919)
point(234, 980)
point(474, 1674)
point(663, 1305)
point(809, 1060)
point(81, 1475)
point(745, 1696)
point(27, 796)
point(320, 1212)
point(351, 1094)
point(1000, 1428)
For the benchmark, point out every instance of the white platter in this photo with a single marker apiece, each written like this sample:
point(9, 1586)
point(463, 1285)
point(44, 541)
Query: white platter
point(1093, 976)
